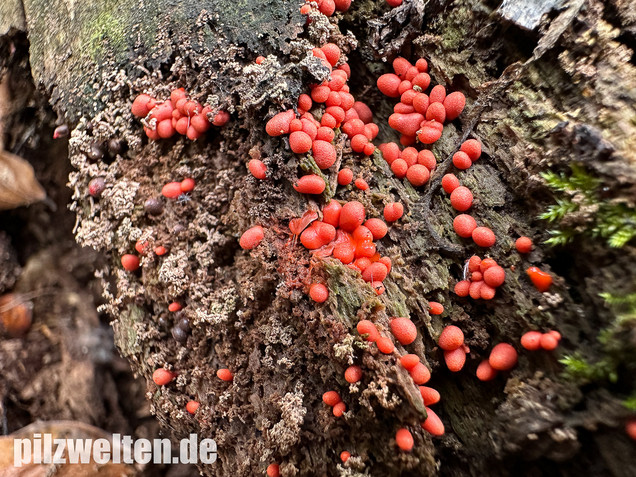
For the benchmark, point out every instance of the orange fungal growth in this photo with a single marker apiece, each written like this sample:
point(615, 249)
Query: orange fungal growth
point(409, 361)
point(540, 279)
point(339, 409)
point(378, 287)
point(464, 225)
point(485, 372)
point(273, 470)
point(455, 359)
point(393, 211)
point(366, 327)
point(420, 374)
point(142, 246)
point(172, 190)
point(388, 84)
point(331, 398)
point(454, 104)
point(462, 288)
point(503, 357)
point(344, 456)
point(162, 376)
point(472, 147)
point(351, 216)
point(300, 142)
point(404, 439)
point(474, 264)
point(142, 105)
point(433, 424)
point(187, 185)
point(461, 160)
point(549, 342)
point(494, 276)
point(430, 396)
point(130, 262)
point(279, 124)
point(252, 237)
point(192, 406)
point(324, 153)
point(224, 374)
point(523, 244)
point(361, 184)
point(331, 213)
point(345, 176)
point(310, 184)
point(318, 292)
point(375, 272)
point(353, 374)
point(461, 198)
point(484, 237)
point(531, 340)
point(630, 428)
point(385, 345)
point(438, 94)
point(404, 330)
point(451, 338)
point(417, 175)
point(257, 168)
point(486, 263)
point(174, 306)
point(377, 227)
point(435, 308)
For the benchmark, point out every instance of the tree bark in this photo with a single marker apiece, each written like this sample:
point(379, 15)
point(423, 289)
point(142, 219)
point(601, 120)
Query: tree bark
point(541, 95)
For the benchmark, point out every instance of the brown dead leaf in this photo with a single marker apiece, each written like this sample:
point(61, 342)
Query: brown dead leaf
point(61, 430)
point(18, 185)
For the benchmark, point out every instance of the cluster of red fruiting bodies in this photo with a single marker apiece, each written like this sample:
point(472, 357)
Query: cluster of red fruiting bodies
point(335, 107)
point(341, 234)
point(482, 277)
point(179, 114)
point(344, 232)
point(326, 7)
point(417, 117)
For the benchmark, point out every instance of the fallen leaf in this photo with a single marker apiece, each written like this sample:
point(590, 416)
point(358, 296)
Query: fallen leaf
point(60, 430)
point(18, 185)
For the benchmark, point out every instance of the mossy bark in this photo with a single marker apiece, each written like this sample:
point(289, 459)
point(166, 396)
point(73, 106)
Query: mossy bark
point(537, 99)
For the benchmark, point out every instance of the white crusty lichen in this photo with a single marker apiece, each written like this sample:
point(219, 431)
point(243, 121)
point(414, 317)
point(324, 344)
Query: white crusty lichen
point(275, 332)
point(214, 309)
point(344, 349)
point(378, 391)
point(173, 272)
point(121, 198)
point(94, 233)
point(286, 432)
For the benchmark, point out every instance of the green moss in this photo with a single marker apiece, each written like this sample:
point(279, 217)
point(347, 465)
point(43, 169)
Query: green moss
point(612, 221)
point(348, 290)
point(308, 164)
point(617, 361)
point(584, 372)
point(109, 29)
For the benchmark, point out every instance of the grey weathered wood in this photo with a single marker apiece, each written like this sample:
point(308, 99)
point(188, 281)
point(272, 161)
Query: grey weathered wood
point(527, 14)
point(11, 16)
